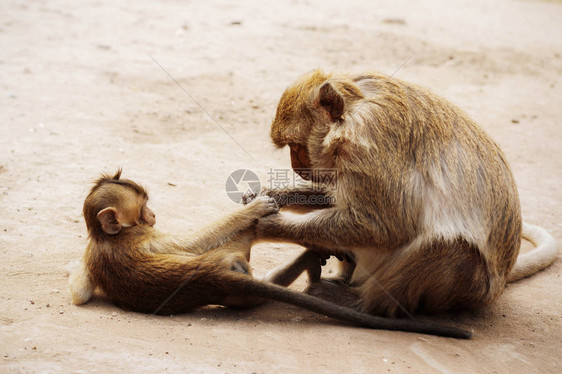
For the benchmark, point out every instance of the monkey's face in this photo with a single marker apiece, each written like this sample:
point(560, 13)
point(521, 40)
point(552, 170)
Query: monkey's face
point(132, 208)
point(147, 216)
point(139, 211)
point(300, 160)
point(124, 207)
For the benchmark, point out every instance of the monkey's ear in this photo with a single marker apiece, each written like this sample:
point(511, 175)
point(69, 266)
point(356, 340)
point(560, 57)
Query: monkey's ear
point(109, 220)
point(331, 100)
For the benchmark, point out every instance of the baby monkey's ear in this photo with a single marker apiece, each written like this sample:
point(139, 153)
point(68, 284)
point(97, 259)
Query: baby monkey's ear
point(109, 219)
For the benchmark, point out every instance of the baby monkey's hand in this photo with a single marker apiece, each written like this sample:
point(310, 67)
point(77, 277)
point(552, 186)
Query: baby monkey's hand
point(262, 206)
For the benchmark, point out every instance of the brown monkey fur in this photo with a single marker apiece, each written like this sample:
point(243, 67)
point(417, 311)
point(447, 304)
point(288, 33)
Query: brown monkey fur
point(144, 270)
point(425, 202)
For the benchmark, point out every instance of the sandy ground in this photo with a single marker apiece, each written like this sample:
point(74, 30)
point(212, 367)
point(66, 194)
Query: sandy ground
point(82, 92)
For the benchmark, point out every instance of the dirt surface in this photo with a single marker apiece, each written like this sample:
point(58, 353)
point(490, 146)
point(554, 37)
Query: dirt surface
point(85, 88)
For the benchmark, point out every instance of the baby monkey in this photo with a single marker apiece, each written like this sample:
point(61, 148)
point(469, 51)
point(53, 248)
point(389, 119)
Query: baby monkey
point(144, 270)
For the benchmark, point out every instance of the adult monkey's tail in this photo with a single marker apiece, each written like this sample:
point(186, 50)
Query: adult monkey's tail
point(542, 256)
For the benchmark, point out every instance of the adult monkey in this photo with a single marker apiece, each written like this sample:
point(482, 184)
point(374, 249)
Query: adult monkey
point(425, 203)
